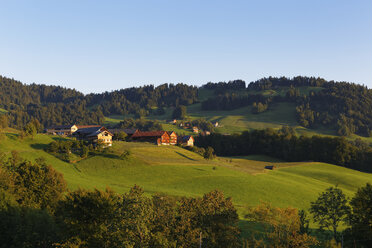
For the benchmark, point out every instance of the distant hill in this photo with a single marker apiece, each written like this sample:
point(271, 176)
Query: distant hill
point(312, 105)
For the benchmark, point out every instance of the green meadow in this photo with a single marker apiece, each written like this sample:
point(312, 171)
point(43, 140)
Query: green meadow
point(176, 171)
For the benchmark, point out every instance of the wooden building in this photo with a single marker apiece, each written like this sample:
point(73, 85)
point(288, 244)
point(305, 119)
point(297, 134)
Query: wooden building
point(94, 134)
point(187, 140)
point(64, 130)
point(172, 138)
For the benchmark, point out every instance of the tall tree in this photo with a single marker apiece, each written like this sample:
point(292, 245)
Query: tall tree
point(179, 112)
point(330, 209)
point(360, 218)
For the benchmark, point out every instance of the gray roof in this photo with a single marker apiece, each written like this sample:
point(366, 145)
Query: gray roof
point(89, 130)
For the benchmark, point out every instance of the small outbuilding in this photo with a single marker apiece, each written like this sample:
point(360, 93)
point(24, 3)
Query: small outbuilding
point(187, 140)
point(270, 167)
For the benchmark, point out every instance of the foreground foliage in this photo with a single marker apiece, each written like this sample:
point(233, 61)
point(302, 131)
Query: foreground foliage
point(282, 227)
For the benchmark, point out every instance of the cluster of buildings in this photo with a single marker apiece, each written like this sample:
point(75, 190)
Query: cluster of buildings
point(91, 133)
point(188, 125)
point(99, 134)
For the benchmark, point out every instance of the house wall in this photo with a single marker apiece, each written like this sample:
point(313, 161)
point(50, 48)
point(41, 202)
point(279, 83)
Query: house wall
point(105, 138)
point(173, 139)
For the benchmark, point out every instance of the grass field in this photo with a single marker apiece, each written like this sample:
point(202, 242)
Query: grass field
point(3, 111)
point(176, 171)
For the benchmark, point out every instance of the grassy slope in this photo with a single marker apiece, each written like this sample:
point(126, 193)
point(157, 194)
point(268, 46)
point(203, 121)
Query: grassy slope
point(176, 171)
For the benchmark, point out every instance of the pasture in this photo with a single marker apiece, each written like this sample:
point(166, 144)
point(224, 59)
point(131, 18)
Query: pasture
point(176, 171)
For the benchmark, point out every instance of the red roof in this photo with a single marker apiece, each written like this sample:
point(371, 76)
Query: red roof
point(148, 134)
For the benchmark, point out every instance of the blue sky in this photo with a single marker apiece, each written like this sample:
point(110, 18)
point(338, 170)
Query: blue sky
point(97, 46)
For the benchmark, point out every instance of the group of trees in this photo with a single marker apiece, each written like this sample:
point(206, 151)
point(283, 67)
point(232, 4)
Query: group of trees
point(282, 228)
point(36, 211)
point(230, 101)
point(64, 149)
point(179, 112)
point(141, 124)
point(286, 145)
point(333, 208)
point(141, 100)
point(54, 105)
point(288, 227)
point(222, 87)
point(259, 107)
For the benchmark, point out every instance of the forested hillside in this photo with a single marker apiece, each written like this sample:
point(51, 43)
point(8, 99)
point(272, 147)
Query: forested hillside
point(340, 106)
point(54, 105)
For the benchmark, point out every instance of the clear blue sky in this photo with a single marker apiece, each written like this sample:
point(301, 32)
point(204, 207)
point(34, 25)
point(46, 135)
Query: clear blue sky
point(97, 46)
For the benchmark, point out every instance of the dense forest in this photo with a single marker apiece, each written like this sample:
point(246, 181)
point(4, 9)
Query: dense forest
point(54, 105)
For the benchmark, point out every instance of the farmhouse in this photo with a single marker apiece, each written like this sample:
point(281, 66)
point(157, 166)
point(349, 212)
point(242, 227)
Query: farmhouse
point(186, 140)
point(64, 130)
point(157, 137)
point(94, 134)
point(172, 138)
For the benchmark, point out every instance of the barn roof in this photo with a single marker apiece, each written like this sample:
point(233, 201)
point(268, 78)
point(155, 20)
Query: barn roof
point(91, 131)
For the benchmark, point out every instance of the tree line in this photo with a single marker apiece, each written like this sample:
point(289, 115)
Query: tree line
point(285, 144)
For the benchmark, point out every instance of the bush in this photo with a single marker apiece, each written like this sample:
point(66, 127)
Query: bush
point(125, 155)
point(209, 153)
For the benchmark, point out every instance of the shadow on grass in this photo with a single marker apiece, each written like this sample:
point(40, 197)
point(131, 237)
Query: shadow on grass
point(183, 155)
point(106, 155)
point(39, 146)
point(59, 138)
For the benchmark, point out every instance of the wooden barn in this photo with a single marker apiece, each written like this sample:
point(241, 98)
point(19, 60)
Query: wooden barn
point(64, 130)
point(172, 138)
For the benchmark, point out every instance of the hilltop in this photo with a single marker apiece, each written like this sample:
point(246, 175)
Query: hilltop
point(309, 105)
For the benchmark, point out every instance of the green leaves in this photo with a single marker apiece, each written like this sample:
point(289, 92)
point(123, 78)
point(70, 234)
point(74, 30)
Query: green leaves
point(330, 209)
